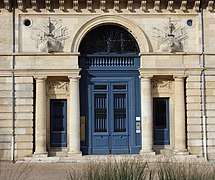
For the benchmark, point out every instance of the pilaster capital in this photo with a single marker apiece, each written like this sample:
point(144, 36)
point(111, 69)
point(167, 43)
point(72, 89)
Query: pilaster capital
point(145, 77)
point(74, 78)
point(40, 78)
point(179, 78)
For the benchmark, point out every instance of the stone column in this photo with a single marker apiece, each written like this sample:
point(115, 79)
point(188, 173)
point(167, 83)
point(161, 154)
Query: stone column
point(74, 120)
point(40, 124)
point(180, 135)
point(146, 116)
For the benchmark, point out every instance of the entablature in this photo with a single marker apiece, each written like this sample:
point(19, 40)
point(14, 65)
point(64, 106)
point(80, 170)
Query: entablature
point(105, 5)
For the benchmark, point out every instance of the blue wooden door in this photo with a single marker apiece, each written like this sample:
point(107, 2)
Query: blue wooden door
point(58, 123)
point(110, 117)
point(161, 121)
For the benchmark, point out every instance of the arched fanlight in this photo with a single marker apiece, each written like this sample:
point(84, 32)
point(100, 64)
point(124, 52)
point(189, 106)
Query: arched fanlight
point(109, 39)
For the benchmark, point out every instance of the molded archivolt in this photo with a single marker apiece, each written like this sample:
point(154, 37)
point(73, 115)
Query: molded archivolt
point(137, 32)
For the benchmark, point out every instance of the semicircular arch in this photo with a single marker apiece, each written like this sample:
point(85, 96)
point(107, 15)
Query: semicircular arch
point(132, 28)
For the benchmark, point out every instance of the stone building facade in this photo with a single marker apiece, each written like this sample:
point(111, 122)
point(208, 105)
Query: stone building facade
point(107, 77)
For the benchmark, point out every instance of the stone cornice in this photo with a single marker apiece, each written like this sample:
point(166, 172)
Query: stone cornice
point(105, 5)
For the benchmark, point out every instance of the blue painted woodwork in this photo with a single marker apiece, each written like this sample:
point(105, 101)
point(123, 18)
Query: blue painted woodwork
point(58, 123)
point(100, 91)
point(110, 116)
point(110, 91)
point(109, 39)
point(113, 62)
point(161, 121)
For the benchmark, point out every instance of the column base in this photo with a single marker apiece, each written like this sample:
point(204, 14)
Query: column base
point(184, 152)
point(75, 154)
point(40, 154)
point(147, 153)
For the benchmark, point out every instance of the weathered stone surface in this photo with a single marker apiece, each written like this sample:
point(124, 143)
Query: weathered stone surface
point(61, 61)
point(24, 101)
point(194, 106)
point(24, 145)
point(193, 135)
point(24, 94)
point(24, 138)
point(194, 128)
point(23, 80)
point(24, 123)
point(194, 114)
point(24, 130)
point(24, 109)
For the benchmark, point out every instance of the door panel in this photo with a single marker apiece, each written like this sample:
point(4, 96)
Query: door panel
point(58, 123)
point(119, 112)
point(110, 118)
point(161, 121)
point(100, 112)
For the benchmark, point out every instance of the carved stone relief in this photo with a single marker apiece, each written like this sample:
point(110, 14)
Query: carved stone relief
point(170, 36)
point(161, 85)
point(50, 35)
point(57, 87)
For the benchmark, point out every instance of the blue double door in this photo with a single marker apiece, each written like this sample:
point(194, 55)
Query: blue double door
point(110, 116)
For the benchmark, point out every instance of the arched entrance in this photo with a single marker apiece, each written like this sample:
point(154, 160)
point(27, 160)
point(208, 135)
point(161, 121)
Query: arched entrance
point(109, 91)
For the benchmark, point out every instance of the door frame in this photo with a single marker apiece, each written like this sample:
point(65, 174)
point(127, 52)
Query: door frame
point(66, 123)
point(120, 80)
point(167, 129)
point(62, 94)
point(167, 94)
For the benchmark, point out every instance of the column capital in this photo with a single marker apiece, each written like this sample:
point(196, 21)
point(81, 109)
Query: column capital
point(74, 78)
point(40, 77)
point(147, 77)
point(178, 77)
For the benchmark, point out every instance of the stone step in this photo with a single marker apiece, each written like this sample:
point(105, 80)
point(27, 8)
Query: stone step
point(58, 152)
point(106, 158)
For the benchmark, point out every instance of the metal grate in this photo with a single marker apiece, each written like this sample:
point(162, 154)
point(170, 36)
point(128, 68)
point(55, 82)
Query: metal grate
point(100, 111)
point(119, 112)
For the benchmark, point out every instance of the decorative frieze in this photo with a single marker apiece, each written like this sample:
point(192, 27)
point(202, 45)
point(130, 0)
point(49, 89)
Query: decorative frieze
point(157, 5)
point(89, 5)
point(20, 4)
point(210, 5)
point(75, 5)
point(143, 5)
point(183, 5)
point(130, 5)
point(197, 6)
point(116, 5)
point(57, 87)
point(161, 85)
point(34, 4)
point(170, 5)
point(7, 5)
point(103, 5)
point(48, 4)
point(61, 5)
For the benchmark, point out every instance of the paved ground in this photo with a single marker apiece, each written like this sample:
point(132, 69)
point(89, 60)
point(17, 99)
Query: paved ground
point(28, 170)
point(37, 171)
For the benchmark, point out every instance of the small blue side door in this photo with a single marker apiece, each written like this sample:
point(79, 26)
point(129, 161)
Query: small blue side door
point(58, 123)
point(161, 121)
